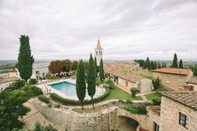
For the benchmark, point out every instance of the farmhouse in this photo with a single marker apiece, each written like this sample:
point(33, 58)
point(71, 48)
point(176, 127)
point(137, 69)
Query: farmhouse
point(174, 78)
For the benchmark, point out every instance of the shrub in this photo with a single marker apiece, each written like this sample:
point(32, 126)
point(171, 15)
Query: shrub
point(57, 105)
point(109, 84)
point(15, 85)
point(49, 105)
point(49, 76)
point(128, 101)
point(136, 109)
point(20, 83)
point(35, 91)
point(156, 101)
point(43, 98)
point(33, 81)
point(134, 91)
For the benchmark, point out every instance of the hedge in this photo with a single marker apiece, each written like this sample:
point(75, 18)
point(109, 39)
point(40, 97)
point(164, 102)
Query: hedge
point(136, 109)
point(43, 98)
point(156, 101)
point(77, 102)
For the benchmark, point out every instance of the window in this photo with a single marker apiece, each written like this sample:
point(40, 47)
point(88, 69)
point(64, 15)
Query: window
point(181, 81)
point(126, 83)
point(168, 79)
point(183, 120)
point(156, 127)
point(191, 88)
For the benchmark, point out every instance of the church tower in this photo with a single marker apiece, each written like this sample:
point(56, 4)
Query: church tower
point(98, 53)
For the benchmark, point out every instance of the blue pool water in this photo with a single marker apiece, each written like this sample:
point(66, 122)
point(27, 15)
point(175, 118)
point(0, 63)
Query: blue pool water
point(65, 87)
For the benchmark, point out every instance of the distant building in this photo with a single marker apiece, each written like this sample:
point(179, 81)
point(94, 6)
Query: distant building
point(98, 53)
point(191, 84)
point(174, 78)
point(12, 72)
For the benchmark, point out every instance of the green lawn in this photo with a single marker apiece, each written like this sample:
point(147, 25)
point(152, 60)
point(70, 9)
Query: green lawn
point(117, 93)
point(153, 95)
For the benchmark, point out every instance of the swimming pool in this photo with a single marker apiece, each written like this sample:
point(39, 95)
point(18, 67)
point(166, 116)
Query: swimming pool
point(65, 87)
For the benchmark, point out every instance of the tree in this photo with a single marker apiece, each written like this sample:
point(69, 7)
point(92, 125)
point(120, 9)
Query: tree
point(74, 65)
point(12, 108)
point(55, 67)
point(80, 83)
point(101, 71)
point(174, 62)
point(163, 65)
point(147, 64)
point(85, 65)
point(156, 83)
point(141, 62)
point(25, 59)
point(158, 65)
point(180, 63)
point(96, 67)
point(195, 70)
point(109, 83)
point(66, 65)
point(133, 91)
point(91, 79)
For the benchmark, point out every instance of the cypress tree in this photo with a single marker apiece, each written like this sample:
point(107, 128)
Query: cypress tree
point(91, 79)
point(25, 59)
point(80, 83)
point(96, 68)
point(101, 71)
point(174, 62)
point(180, 63)
point(163, 65)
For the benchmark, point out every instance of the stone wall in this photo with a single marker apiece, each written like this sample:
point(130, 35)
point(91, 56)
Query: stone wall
point(106, 120)
point(146, 85)
point(73, 121)
point(169, 120)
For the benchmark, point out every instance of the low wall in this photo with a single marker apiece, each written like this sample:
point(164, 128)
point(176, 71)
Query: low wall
point(105, 120)
point(73, 121)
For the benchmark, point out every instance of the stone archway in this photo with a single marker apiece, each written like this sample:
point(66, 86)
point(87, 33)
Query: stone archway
point(127, 124)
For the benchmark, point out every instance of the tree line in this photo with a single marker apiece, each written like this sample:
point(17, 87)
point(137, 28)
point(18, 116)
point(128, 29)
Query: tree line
point(152, 65)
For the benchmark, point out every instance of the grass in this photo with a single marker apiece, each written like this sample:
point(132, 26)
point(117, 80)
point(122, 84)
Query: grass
point(117, 93)
point(152, 95)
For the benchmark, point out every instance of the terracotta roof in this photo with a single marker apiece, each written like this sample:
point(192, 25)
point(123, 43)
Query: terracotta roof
point(173, 71)
point(192, 80)
point(98, 45)
point(188, 98)
point(115, 70)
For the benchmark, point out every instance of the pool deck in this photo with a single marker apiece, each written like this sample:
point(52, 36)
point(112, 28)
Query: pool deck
point(47, 89)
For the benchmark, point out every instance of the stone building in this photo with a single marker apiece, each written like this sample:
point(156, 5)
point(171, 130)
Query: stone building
point(191, 84)
point(178, 111)
point(126, 80)
point(12, 72)
point(174, 78)
point(98, 53)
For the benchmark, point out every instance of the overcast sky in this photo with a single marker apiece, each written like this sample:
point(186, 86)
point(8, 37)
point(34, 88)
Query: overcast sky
point(127, 29)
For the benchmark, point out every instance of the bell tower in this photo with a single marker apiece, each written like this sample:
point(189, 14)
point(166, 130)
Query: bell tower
point(98, 53)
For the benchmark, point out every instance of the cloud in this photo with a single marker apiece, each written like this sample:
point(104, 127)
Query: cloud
point(128, 29)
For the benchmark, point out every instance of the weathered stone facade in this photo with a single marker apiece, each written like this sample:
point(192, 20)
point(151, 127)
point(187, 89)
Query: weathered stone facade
point(108, 119)
point(169, 120)
point(73, 121)
point(144, 85)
